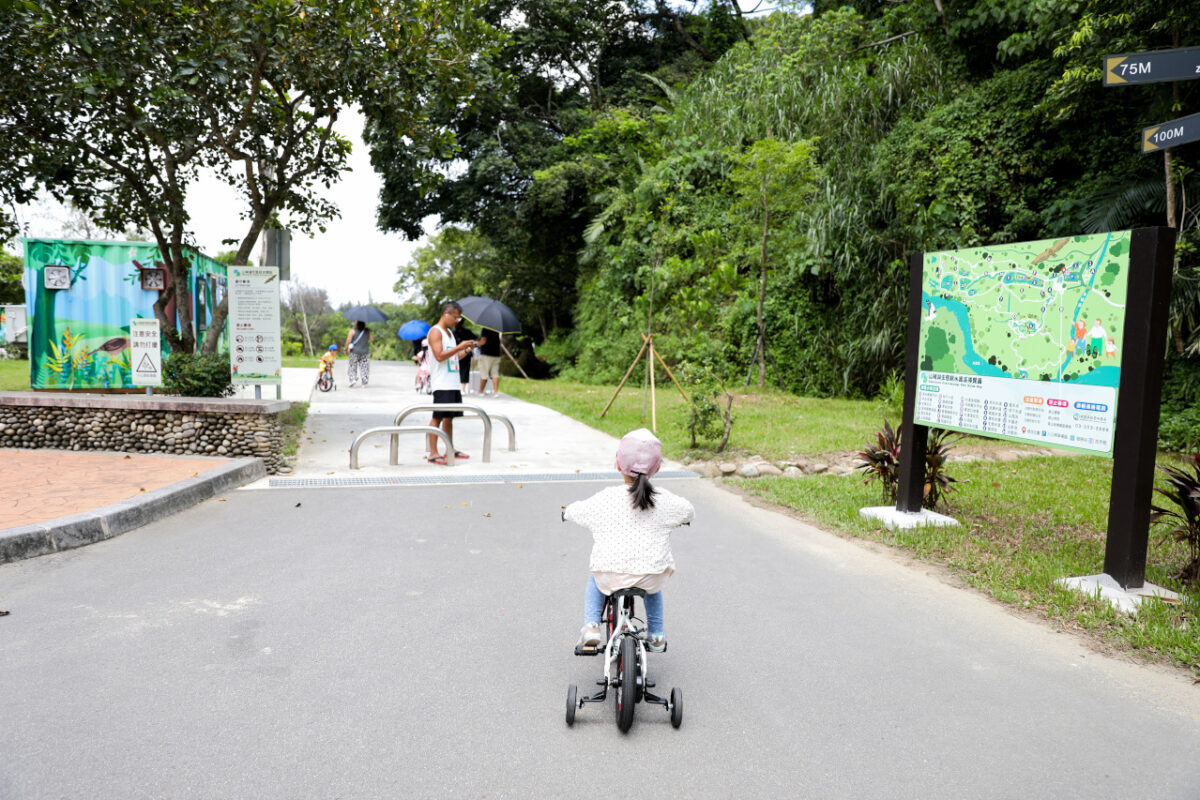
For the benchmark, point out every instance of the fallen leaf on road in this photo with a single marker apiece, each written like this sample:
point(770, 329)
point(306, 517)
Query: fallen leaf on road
point(464, 504)
point(297, 505)
point(488, 514)
point(3, 613)
point(194, 474)
point(142, 489)
point(520, 486)
point(445, 506)
point(220, 499)
point(129, 456)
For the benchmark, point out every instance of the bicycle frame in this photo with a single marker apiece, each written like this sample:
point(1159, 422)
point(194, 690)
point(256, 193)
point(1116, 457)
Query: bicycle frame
point(623, 626)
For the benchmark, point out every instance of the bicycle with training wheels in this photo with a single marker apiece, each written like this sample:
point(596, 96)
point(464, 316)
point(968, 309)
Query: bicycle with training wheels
point(625, 665)
point(325, 377)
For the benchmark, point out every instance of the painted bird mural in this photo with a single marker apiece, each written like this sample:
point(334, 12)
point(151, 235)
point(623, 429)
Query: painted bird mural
point(114, 345)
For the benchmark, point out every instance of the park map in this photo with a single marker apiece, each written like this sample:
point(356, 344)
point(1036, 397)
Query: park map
point(1022, 341)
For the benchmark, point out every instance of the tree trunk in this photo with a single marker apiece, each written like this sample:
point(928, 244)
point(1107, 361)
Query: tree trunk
point(221, 312)
point(762, 296)
point(1168, 165)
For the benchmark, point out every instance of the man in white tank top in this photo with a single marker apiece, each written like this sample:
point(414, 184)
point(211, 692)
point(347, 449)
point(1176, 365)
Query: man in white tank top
point(444, 378)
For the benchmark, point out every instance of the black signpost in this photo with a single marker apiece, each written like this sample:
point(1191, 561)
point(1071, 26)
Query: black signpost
point(1155, 66)
point(910, 491)
point(1147, 307)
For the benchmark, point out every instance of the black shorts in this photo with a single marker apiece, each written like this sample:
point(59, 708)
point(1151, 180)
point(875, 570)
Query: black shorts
point(447, 396)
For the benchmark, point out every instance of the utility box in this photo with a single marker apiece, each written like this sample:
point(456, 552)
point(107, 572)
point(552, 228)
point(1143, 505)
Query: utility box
point(81, 295)
point(13, 325)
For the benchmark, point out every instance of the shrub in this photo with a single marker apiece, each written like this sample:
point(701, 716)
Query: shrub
point(704, 417)
point(1183, 516)
point(1179, 430)
point(881, 462)
point(197, 374)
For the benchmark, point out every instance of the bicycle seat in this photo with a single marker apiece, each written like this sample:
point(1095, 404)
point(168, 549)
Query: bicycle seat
point(633, 592)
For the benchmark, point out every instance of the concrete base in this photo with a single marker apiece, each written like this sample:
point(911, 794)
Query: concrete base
point(1127, 600)
point(893, 518)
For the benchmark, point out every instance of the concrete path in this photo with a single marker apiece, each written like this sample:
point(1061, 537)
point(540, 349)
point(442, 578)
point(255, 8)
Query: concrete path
point(415, 642)
point(547, 443)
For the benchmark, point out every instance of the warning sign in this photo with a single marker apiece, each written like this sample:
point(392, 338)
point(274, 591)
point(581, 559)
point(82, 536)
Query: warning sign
point(145, 349)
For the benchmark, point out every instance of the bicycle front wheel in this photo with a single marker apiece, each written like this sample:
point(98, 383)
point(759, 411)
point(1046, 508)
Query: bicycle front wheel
point(627, 691)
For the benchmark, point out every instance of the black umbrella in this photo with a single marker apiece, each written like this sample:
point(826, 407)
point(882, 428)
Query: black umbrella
point(492, 314)
point(364, 314)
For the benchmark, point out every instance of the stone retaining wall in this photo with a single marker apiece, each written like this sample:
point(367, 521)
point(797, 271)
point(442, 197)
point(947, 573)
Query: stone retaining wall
point(144, 424)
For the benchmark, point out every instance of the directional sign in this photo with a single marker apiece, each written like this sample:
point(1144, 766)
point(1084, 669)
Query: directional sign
point(1169, 134)
point(1155, 66)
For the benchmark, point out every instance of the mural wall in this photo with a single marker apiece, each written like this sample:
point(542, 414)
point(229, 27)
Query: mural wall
point(79, 333)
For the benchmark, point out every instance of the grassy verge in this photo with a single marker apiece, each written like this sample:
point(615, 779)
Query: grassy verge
point(810, 426)
point(14, 375)
point(293, 426)
point(1023, 524)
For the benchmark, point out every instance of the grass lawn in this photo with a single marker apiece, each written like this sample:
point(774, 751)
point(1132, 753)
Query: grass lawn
point(1023, 523)
point(293, 426)
point(14, 375)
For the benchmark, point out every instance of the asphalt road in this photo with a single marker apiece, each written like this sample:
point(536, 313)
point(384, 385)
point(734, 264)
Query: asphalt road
point(415, 642)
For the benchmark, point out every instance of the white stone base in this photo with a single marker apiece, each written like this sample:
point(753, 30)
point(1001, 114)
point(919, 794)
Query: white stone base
point(893, 518)
point(1127, 600)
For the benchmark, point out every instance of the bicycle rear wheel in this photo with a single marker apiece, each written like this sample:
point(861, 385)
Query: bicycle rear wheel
point(627, 691)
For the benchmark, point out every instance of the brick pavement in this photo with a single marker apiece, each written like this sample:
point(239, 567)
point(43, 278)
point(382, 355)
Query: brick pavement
point(37, 486)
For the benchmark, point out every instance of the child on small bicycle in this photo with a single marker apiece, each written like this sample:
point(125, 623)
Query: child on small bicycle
point(326, 363)
point(631, 532)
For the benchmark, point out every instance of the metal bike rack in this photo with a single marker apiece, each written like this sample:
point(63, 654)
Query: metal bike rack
point(394, 457)
point(395, 434)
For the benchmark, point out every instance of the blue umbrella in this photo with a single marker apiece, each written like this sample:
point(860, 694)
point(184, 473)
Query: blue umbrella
point(414, 330)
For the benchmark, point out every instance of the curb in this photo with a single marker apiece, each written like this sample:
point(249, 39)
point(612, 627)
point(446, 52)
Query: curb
point(29, 541)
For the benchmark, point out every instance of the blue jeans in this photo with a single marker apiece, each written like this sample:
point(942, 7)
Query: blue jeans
point(593, 605)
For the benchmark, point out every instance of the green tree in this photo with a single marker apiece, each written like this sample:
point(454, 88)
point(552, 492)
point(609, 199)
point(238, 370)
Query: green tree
point(12, 291)
point(772, 181)
point(455, 263)
point(119, 117)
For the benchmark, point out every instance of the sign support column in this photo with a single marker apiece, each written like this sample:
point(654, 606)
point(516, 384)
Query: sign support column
point(1136, 438)
point(910, 493)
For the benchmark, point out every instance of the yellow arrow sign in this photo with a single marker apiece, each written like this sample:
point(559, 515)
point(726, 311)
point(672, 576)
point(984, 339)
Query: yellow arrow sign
point(1111, 77)
point(1148, 145)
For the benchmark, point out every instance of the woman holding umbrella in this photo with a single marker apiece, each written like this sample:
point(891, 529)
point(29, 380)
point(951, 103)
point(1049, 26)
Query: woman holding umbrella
point(358, 342)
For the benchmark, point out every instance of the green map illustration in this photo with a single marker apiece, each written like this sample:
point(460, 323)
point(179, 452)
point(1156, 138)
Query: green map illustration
point(1050, 310)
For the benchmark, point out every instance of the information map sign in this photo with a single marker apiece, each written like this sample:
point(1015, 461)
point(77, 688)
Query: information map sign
point(1023, 341)
point(254, 346)
point(145, 352)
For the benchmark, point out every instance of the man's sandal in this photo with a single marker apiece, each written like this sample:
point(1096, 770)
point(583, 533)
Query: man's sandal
point(439, 460)
point(459, 454)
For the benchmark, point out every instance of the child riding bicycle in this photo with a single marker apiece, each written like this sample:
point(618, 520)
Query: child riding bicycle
point(631, 531)
point(325, 366)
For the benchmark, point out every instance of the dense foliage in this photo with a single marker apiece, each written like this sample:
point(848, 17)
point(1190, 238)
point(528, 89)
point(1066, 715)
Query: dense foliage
point(614, 200)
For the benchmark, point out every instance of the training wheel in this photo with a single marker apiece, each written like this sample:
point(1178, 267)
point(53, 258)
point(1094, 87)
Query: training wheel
point(572, 692)
point(676, 707)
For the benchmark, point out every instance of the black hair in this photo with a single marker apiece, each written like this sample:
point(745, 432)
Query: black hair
point(449, 304)
point(360, 326)
point(641, 493)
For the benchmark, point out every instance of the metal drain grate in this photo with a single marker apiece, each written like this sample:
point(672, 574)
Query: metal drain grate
point(424, 480)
